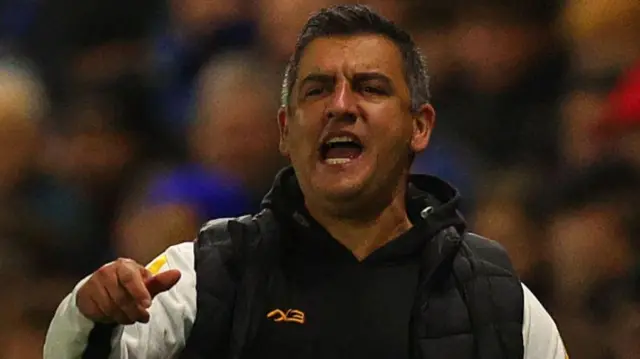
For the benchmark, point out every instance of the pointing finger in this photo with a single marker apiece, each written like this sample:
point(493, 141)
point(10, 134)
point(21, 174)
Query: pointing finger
point(162, 281)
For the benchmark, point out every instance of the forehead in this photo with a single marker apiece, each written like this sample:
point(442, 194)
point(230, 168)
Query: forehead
point(352, 54)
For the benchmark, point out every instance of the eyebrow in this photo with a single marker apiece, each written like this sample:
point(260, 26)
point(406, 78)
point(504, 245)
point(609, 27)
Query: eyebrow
point(360, 76)
point(374, 76)
point(316, 77)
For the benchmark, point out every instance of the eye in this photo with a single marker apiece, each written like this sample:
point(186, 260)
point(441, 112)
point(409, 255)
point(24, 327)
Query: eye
point(314, 91)
point(373, 90)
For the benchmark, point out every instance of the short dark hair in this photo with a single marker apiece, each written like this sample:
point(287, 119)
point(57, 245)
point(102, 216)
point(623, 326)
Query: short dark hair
point(342, 20)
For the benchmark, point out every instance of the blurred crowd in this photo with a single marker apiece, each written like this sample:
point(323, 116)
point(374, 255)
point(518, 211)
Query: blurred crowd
point(125, 125)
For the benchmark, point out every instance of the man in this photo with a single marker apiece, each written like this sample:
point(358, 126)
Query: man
point(350, 257)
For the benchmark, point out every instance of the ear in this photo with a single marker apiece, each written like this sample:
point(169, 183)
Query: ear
point(423, 123)
point(283, 126)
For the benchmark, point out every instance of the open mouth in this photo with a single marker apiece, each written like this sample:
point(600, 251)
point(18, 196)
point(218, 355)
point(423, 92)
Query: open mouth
point(340, 150)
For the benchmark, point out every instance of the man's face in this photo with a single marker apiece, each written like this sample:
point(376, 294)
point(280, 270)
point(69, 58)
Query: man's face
point(349, 131)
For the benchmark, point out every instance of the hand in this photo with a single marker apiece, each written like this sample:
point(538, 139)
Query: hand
point(121, 292)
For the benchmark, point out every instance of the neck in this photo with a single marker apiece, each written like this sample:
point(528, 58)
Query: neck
point(363, 235)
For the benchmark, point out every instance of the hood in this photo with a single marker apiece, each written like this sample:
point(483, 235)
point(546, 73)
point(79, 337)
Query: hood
point(432, 204)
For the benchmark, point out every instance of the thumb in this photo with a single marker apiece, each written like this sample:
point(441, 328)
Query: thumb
point(162, 282)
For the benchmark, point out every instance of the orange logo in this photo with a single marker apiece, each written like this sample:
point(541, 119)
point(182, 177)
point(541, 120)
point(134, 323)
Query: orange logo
point(290, 315)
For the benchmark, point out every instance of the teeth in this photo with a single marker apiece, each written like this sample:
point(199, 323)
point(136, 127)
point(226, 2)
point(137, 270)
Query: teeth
point(337, 161)
point(340, 139)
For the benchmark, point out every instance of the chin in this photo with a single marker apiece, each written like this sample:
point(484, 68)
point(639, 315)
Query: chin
point(342, 192)
point(340, 186)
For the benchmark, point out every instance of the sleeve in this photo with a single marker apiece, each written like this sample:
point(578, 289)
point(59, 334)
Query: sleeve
point(172, 314)
point(540, 334)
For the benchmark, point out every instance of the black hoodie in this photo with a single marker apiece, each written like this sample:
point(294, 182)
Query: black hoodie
point(352, 309)
point(277, 285)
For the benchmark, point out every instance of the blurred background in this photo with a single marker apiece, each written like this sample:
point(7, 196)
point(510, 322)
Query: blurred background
point(125, 125)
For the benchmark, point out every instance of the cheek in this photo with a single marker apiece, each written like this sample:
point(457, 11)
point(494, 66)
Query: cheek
point(300, 141)
point(303, 132)
point(391, 130)
point(300, 145)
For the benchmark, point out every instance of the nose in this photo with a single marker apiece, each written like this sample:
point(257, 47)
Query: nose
point(343, 103)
